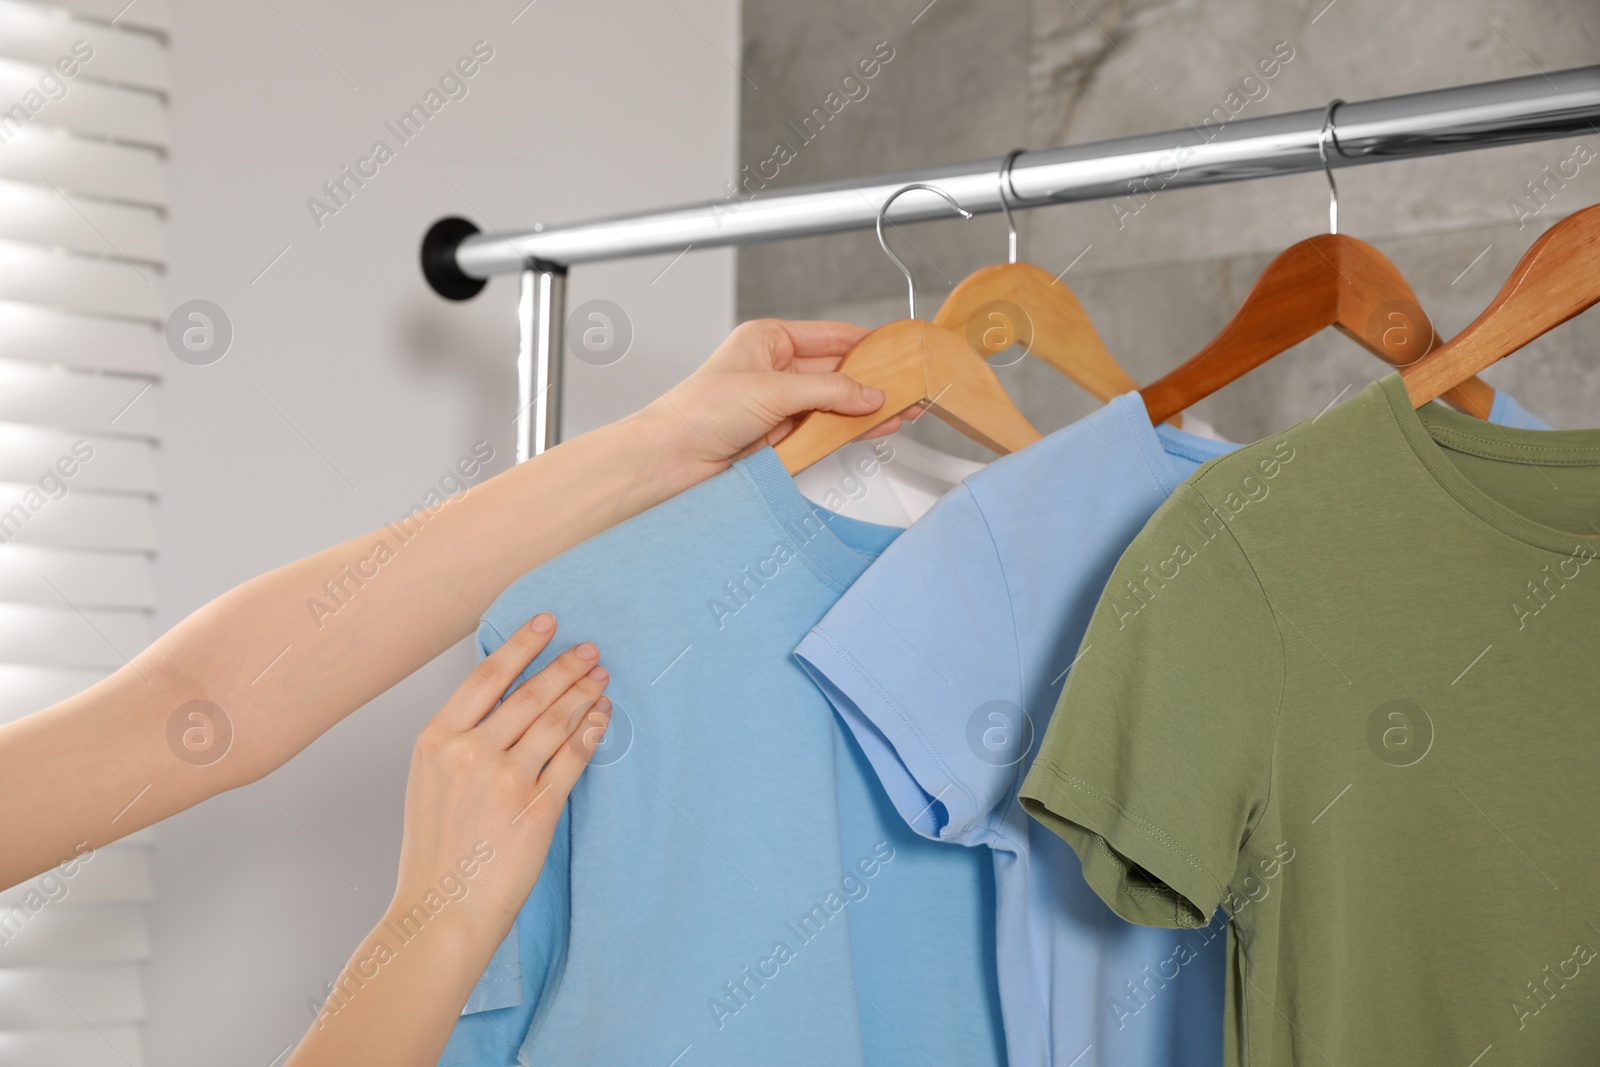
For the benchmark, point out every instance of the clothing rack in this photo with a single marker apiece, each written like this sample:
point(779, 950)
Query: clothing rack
point(458, 260)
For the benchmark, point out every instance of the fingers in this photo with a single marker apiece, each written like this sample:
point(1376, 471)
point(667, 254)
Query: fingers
point(778, 343)
point(551, 729)
point(822, 338)
point(569, 760)
point(489, 680)
point(577, 670)
point(815, 364)
point(791, 394)
point(780, 431)
point(884, 429)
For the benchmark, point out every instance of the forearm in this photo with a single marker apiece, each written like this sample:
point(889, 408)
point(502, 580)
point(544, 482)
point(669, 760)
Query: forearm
point(340, 627)
point(398, 998)
point(287, 655)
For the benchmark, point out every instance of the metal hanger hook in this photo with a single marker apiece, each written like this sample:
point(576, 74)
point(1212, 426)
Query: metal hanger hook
point(1322, 153)
point(911, 285)
point(1005, 204)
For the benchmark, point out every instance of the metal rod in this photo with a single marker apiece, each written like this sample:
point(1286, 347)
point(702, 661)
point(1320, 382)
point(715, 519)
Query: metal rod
point(1512, 111)
point(1482, 115)
point(525, 369)
point(541, 309)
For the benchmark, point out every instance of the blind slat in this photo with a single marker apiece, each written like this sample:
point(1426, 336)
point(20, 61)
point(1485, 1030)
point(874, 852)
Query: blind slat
point(95, 521)
point(88, 107)
point(26, 689)
point(82, 342)
point(146, 14)
point(29, 32)
point(62, 637)
point(88, 167)
point(40, 215)
point(82, 1046)
point(37, 997)
point(32, 574)
point(116, 464)
point(118, 876)
point(77, 403)
point(60, 935)
point(76, 283)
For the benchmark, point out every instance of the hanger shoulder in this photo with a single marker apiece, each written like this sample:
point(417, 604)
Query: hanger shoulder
point(1375, 307)
point(1378, 310)
point(914, 363)
point(1060, 330)
point(1328, 280)
point(1294, 298)
point(1557, 278)
point(965, 393)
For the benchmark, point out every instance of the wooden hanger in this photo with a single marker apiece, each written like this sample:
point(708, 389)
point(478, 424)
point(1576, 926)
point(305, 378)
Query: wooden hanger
point(914, 363)
point(1328, 280)
point(1556, 279)
point(1058, 330)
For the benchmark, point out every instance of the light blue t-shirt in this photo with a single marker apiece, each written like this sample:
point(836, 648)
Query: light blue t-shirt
point(739, 890)
point(946, 659)
point(1507, 412)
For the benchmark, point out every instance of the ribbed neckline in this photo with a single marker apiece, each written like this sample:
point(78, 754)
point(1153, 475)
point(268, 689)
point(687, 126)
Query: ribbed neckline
point(1191, 446)
point(1129, 409)
point(1434, 428)
point(811, 531)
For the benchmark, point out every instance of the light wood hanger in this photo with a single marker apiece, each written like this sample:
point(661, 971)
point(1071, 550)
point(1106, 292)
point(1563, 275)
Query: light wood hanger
point(1058, 330)
point(1328, 280)
point(915, 363)
point(1556, 279)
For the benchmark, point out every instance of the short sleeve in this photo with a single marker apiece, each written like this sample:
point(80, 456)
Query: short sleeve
point(920, 649)
point(1157, 762)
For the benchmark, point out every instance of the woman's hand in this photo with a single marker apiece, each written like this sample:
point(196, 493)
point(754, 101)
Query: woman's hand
point(748, 393)
point(485, 793)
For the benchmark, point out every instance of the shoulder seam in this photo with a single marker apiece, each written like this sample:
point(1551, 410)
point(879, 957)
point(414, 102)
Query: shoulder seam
point(1000, 565)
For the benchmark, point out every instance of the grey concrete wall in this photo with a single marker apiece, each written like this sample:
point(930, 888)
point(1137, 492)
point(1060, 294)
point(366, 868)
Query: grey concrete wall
point(971, 79)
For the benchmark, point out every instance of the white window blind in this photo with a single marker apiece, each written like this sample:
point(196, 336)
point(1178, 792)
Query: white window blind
point(82, 264)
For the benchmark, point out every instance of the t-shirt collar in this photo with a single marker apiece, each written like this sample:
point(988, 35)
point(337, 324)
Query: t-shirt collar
point(839, 547)
point(1429, 430)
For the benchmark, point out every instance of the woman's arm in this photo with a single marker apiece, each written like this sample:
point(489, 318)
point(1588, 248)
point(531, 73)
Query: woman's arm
point(273, 673)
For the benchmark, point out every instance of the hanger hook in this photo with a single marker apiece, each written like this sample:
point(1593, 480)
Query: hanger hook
point(1005, 204)
point(1322, 153)
point(911, 285)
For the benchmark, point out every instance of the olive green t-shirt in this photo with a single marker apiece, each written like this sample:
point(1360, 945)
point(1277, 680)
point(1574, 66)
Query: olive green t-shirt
point(1345, 686)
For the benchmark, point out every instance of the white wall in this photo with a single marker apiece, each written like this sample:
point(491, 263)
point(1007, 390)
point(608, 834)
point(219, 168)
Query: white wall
point(350, 388)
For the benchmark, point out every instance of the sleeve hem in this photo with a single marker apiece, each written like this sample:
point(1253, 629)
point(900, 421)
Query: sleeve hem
point(870, 711)
point(1117, 848)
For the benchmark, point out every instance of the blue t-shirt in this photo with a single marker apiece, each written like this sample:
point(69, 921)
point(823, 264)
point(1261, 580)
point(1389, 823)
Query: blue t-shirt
point(1507, 412)
point(946, 659)
point(738, 890)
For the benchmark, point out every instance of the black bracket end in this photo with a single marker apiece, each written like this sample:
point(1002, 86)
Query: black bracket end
point(439, 259)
